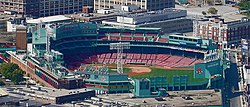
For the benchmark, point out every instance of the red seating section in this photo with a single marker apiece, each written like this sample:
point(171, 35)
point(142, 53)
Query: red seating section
point(163, 60)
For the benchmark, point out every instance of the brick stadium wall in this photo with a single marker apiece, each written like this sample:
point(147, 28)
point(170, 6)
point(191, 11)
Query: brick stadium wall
point(29, 69)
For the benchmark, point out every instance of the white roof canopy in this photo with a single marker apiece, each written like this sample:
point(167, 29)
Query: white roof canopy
point(48, 19)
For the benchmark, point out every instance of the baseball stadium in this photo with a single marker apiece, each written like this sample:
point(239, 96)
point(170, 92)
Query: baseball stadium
point(169, 61)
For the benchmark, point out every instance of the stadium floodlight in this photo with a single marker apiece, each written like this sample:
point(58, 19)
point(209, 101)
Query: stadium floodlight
point(119, 47)
point(49, 33)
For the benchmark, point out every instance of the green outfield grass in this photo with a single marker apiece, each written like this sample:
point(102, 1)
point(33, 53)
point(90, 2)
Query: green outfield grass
point(157, 72)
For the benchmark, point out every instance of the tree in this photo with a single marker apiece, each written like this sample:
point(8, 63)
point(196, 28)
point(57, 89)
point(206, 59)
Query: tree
point(204, 13)
point(212, 10)
point(11, 71)
point(245, 5)
point(210, 2)
point(17, 76)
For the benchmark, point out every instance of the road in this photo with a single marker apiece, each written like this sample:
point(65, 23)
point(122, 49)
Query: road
point(231, 84)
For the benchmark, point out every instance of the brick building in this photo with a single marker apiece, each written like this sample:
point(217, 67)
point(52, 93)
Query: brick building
point(21, 38)
point(228, 32)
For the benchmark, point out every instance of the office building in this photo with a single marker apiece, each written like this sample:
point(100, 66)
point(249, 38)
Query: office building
point(142, 4)
point(41, 8)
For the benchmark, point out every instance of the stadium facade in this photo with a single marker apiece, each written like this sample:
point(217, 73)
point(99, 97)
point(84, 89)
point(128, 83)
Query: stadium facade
point(68, 45)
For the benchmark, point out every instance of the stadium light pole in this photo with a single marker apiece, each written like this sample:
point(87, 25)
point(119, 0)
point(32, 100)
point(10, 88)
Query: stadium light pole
point(119, 47)
point(49, 33)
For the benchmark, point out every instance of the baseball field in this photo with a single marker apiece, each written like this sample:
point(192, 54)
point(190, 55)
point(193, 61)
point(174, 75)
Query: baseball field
point(138, 72)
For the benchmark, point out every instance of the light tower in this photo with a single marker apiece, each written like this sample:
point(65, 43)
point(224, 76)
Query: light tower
point(49, 34)
point(195, 26)
point(119, 47)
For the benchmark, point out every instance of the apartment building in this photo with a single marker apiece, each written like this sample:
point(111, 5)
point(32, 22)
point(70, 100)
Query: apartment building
point(142, 4)
point(41, 8)
point(224, 32)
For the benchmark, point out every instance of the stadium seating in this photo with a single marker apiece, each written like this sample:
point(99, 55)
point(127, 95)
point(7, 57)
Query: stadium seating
point(162, 60)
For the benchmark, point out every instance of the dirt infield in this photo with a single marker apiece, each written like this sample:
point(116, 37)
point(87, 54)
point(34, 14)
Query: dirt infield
point(138, 70)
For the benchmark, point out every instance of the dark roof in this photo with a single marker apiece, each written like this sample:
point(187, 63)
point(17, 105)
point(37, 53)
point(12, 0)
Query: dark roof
point(99, 73)
point(10, 99)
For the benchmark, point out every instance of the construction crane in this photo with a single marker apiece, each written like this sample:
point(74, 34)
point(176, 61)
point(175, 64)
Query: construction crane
point(119, 47)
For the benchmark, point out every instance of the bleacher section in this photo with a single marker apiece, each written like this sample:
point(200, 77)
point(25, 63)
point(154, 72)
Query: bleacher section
point(162, 60)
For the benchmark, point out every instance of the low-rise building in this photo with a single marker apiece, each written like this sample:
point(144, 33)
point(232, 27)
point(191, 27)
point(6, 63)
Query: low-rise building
point(170, 20)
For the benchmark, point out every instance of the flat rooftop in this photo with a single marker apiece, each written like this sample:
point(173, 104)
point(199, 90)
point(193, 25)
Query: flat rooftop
point(199, 98)
point(228, 13)
point(48, 19)
point(55, 92)
point(23, 102)
point(4, 16)
point(168, 11)
point(98, 16)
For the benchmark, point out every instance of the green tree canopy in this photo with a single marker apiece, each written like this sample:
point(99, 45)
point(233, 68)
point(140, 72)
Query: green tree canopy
point(204, 13)
point(11, 71)
point(212, 10)
point(244, 5)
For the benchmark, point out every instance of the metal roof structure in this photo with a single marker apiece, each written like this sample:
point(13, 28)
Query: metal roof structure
point(48, 19)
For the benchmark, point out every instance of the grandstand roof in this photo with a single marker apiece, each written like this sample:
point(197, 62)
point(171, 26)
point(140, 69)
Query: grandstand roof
point(48, 19)
point(191, 37)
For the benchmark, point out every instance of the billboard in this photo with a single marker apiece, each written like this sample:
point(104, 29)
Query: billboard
point(208, 69)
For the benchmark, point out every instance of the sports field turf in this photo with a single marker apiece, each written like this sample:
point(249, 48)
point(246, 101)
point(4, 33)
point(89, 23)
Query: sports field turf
point(157, 72)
